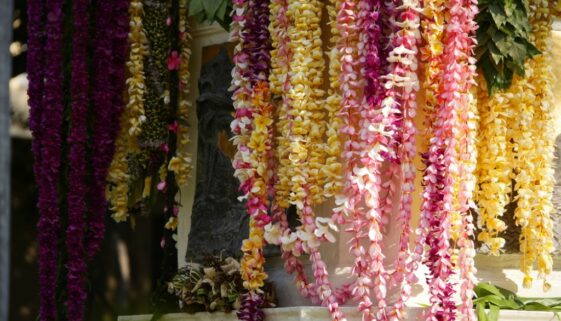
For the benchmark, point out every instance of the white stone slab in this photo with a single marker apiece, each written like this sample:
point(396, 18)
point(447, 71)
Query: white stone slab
point(321, 314)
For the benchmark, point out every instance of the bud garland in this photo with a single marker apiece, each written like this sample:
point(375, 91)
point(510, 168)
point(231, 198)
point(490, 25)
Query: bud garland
point(151, 147)
point(77, 188)
point(77, 111)
point(181, 163)
point(48, 153)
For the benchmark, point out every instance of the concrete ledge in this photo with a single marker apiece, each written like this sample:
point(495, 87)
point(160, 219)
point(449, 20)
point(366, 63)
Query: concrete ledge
point(321, 314)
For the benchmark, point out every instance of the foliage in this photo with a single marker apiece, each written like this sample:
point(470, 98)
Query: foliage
point(503, 41)
point(212, 11)
point(215, 285)
point(495, 298)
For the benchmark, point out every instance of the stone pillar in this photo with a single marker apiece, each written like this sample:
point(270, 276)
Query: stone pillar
point(6, 10)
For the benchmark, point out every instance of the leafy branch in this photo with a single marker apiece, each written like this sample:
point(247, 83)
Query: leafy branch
point(503, 41)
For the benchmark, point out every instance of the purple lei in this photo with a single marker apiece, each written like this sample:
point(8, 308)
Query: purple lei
point(251, 308)
point(77, 139)
point(48, 125)
point(109, 58)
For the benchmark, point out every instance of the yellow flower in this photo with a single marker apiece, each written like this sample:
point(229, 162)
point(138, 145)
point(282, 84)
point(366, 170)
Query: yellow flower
point(171, 224)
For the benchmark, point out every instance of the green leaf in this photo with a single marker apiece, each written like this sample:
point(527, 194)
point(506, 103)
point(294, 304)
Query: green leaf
point(196, 7)
point(535, 306)
point(221, 12)
point(531, 50)
point(498, 14)
point(480, 310)
point(496, 55)
point(211, 7)
point(483, 289)
point(493, 314)
point(502, 42)
point(490, 74)
point(510, 7)
point(503, 303)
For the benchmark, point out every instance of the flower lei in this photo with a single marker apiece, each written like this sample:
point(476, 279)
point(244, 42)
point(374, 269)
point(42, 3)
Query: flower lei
point(65, 159)
point(449, 161)
point(375, 113)
point(407, 39)
point(252, 126)
point(528, 158)
point(540, 221)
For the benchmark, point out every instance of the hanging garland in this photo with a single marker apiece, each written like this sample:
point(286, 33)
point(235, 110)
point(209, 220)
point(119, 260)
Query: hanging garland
point(48, 121)
point(517, 144)
point(152, 161)
point(252, 125)
point(70, 175)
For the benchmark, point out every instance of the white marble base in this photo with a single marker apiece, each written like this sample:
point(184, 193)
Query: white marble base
point(321, 314)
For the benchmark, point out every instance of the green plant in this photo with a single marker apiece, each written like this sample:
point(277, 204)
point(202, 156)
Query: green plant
point(503, 41)
point(494, 298)
point(212, 11)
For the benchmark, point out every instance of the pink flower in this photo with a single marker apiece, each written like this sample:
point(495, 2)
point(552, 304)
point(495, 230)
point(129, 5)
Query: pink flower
point(161, 186)
point(174, 60)
point(173, 127)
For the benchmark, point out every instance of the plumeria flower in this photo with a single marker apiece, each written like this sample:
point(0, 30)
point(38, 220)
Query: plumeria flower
point(309, 239)
point(288, 241)
point(273, 234)
point(324, 225)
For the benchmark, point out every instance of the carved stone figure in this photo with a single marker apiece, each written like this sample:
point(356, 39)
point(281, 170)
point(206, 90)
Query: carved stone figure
point(218, 220)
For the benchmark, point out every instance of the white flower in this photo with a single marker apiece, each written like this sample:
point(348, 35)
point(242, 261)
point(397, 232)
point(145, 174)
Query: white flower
point(323, 226)
point(273, 234)
point(288, 241)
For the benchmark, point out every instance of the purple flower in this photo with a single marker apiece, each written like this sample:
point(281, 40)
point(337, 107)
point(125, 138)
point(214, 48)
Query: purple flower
point(77, 191)
point(46, 123)
point(109, 58)
point(250, 309)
